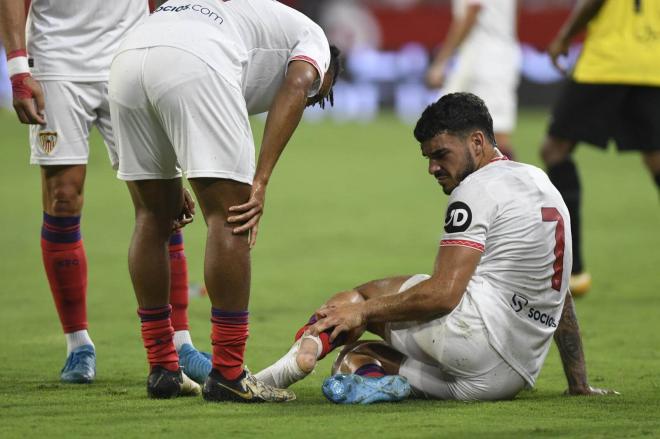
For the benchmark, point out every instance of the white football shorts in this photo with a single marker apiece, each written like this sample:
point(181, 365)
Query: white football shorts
point(72, 108)
point(450, 357)
point(171, 112)
point(494, 78)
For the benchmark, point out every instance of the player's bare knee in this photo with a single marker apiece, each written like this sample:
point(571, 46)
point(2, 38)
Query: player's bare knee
point(555, 150)
point(64, 200)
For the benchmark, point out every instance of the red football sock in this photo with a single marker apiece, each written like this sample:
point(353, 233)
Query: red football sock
point(327, 346)
point(157, 335)
point(178, 283)
point(66, 268)
point(228, 337)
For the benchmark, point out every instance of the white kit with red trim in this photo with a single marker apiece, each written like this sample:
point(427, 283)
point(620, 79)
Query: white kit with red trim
point(74, 40)
point(249, 42)
point(511, 213)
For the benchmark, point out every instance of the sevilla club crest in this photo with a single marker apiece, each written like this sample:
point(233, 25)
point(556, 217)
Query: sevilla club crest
point(48, 140)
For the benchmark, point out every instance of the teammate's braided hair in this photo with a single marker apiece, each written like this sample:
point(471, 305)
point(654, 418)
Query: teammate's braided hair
point(335, 68)
point(457, 114)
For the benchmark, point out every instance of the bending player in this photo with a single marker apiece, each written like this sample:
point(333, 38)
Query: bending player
point(60, 88)
point(227, 60)
point(480, 326)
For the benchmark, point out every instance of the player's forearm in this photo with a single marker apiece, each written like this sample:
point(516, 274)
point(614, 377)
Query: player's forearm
point(459, 29)
point(569, 344)
point(12, 24)
point(283, 118)
point(426, 300)
point(579, 18)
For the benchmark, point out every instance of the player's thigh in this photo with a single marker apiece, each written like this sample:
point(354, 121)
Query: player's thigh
point(63, 140)
point(638, 122)
point(204, 114)
point(142, 145)
point(432, 382)
point(103, 123)
point(586, 112)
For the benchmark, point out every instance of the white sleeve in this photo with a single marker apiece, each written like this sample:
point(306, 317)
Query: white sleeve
point(313, 47)
point(470, 213)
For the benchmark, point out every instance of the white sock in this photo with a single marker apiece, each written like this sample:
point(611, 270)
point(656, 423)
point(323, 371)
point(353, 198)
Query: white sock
point(181, 338)
point(77, 339)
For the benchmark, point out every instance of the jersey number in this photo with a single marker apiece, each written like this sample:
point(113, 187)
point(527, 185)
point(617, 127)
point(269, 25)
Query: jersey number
point(550, 214)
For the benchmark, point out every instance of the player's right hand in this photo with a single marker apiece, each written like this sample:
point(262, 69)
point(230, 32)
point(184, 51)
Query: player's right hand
point(435, 75)
point(28, 99)
point(590, 391)
point(558, 47)
point(249, 214)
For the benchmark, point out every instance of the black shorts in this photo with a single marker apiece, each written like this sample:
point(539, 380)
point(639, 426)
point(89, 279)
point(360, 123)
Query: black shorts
point(596, 113)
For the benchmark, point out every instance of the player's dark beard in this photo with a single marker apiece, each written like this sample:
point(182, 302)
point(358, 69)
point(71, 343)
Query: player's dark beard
point(468, 169)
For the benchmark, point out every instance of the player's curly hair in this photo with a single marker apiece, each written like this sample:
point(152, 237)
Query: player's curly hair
point(457, 114)
point(335, 68)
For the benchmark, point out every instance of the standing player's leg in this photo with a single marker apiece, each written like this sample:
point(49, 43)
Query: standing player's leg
point(157, 204)
point(65, 263)
point(652, 162)
point(227, 278)
point(307, 350)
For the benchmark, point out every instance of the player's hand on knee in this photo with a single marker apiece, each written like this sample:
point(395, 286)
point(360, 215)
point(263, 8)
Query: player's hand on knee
point(246, 216)
point(590, 391)
point(28, 99)
point(187, 212)
point(342, 318)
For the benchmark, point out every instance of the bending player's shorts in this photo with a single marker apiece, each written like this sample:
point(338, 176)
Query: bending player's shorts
point(171, 113)
point(596, 113)
point(497, 85)
point(450, 357)
point(72, 108)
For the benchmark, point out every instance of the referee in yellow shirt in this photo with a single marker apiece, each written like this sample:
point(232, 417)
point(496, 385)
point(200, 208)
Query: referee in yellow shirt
point(613, 93)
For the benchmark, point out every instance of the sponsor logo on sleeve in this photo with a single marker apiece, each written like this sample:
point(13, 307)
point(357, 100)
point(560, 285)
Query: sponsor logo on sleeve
point(47, 141)
point(519, 305)
point(459, 217)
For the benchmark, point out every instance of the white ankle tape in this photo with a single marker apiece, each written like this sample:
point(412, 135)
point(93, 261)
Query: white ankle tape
point(319, 344)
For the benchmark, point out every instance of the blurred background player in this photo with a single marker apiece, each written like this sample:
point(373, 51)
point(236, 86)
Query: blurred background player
point(466, 332)
point(483, 34)
point(225, 60)
point(59, 83)
point(612, 94)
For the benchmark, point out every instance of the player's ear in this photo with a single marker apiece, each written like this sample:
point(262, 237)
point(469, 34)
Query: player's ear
point(477, 140)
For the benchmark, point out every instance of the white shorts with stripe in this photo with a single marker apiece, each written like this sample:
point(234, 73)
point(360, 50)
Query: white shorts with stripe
point(450, 357)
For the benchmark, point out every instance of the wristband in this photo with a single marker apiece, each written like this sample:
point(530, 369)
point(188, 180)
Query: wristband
point(17, 62)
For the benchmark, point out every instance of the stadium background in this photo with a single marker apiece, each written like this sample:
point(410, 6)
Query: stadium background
point(350, 201)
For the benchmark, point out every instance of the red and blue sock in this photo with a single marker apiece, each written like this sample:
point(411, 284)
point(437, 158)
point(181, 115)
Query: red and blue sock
point(178, 282)
point(66, 268)
point(229, 334)
point(157, 336)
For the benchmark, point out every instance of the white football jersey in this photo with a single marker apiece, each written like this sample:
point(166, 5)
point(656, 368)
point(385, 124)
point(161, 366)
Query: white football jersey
point(494, 36)
point(75, 40)
point(513, 214)
point(249, 42)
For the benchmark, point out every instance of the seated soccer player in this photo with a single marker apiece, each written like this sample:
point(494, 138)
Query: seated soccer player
point(480, 326)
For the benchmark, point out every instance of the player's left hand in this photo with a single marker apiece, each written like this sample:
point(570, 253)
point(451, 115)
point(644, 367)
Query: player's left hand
point(249, 214)
point(187, 212)
point(343, 318)
point(558, 47)
point(590, 391)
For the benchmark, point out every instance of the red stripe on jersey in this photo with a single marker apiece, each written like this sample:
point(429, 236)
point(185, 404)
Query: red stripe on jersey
point(497, 159)
point(462, 243)
point(309, 60)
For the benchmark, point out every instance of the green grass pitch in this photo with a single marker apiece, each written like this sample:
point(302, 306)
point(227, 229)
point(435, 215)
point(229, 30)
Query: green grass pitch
point(347, 203)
